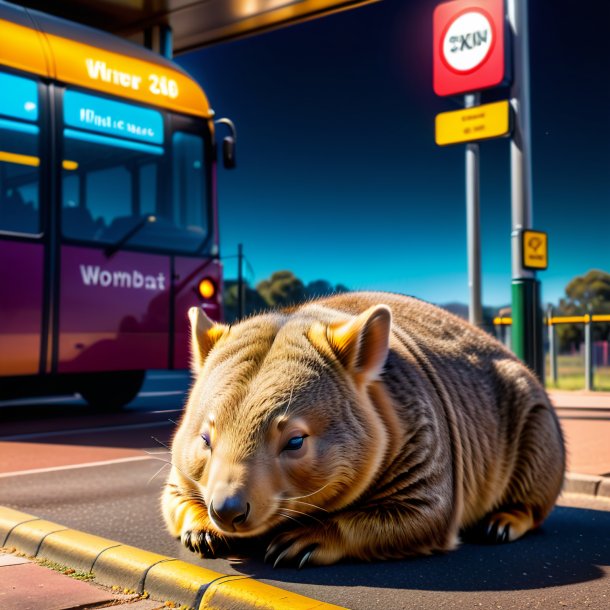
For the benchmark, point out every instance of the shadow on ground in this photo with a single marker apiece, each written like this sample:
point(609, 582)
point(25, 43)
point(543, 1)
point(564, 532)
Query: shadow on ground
point(569, 548)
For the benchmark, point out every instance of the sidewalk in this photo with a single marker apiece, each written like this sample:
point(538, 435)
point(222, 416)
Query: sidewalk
point(585, 420)
point(124, 573)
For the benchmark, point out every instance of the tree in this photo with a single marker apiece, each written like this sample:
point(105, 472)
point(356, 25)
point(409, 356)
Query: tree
point(254, 301)
point(589, 293)
point(283, 288)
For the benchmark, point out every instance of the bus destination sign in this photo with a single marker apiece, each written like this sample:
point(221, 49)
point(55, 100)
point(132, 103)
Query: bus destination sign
point(112, 118)
point(468, 46)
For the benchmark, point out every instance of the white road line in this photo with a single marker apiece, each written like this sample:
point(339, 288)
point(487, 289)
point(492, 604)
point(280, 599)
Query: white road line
point(25, 437)
point(20, 473)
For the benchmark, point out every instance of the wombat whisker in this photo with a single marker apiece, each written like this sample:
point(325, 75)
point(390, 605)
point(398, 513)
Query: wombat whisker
point(292, 510)
point(160, 443)
point(307, 504)
point(154, 456)
point(313, 493)
point(156, 452)
point(156, 474)
point(289, 517)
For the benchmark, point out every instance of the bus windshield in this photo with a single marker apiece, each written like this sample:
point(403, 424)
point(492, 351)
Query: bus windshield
point(124, 163)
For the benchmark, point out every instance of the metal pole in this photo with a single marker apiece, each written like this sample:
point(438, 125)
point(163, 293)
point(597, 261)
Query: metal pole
point(526, 311)
point(241, 295)
point(588, 354)
point(552, 345)
point(473, 224)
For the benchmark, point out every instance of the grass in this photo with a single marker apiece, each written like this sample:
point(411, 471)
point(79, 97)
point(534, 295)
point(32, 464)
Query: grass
point(571, 374)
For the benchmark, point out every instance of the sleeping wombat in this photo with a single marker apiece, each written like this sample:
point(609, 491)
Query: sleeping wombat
point(364, 426)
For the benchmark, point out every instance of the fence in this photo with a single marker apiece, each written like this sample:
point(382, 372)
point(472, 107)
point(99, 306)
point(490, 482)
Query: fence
point(503, 323)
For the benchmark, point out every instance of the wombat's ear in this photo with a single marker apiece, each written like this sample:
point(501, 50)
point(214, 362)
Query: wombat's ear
point(362, 344)
point(204, 335)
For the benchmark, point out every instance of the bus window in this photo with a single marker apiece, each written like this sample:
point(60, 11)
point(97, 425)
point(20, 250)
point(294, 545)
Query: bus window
point(19, 155)
point(116, 173)
point(189, 181)
point(148, 190)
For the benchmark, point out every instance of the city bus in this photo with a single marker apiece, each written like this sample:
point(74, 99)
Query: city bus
point(108, 214)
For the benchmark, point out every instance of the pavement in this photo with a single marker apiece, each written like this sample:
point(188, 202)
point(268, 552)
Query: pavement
point(46, 566)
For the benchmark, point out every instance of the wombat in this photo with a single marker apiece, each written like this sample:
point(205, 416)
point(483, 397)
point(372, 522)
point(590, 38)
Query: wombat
point(360, 426)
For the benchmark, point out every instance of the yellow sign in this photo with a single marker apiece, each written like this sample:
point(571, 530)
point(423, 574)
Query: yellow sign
point(535, 250)
point(473, 124)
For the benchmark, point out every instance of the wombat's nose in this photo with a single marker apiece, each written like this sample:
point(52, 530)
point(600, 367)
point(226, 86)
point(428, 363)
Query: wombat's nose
point(230, 510)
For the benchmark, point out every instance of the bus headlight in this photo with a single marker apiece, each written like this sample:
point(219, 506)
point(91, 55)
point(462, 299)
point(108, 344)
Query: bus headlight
point(207, 288)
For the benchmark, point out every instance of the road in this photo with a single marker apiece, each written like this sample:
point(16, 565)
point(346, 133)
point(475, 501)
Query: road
point(103, 474)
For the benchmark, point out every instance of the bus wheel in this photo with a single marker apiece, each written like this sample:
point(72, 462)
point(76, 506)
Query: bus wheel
point(111, 391)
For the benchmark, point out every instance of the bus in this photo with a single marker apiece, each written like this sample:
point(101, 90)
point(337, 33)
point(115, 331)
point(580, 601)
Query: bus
point(108, 212)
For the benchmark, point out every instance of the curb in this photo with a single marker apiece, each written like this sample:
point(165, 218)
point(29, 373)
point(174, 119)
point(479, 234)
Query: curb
point(164, 578)
point(588, 485)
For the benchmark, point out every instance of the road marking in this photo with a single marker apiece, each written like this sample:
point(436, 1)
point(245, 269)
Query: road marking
point(25, 437)
point(19, 473)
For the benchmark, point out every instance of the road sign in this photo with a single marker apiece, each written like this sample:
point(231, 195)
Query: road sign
point(468, 47)
point(535, 249)
point(473, 124)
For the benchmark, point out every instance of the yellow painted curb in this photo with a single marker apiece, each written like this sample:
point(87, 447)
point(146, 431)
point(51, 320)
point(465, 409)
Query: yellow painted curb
point(9, 519)
point(76, 549)
point(125, 565)
point(180, 576)
point(240, 592)
point(162, 577)
point(28, 536)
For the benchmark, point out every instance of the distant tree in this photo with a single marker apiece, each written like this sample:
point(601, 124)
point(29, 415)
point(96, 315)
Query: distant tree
point(254, 301)
point(283, 288)
point(589, 293)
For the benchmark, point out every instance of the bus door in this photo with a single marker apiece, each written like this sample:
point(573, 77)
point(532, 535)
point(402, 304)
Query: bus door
point(197, 275)
point(115, 277)
point(21, 247)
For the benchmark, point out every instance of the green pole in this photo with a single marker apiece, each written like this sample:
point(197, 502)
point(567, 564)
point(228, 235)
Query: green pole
point(526, 333)
point(527, 327)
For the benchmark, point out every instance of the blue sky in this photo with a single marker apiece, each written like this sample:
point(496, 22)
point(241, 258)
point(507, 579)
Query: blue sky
point(338, 175)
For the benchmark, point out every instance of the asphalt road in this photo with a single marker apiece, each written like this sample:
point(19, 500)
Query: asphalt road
point(46, 453)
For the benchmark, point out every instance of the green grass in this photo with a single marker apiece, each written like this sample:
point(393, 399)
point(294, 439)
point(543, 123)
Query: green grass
point(571, 374)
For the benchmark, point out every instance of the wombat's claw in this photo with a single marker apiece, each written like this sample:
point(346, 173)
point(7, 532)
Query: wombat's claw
point(282, 558)
point(306, 557)
point(495, 534)
point(200, 542)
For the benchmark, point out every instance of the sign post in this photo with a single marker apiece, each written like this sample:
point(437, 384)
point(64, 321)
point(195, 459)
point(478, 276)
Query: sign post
point(527, 332)
point(473, 223)
point(469, 56)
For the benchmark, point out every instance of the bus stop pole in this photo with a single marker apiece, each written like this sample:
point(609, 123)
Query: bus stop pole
point(473, 224)
point(527, 333)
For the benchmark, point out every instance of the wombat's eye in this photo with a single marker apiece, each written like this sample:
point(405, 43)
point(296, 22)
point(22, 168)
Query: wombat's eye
point(206, 441)
point(296, 442)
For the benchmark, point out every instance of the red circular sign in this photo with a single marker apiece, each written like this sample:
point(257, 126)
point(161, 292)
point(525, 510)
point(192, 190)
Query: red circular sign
point(468, 46)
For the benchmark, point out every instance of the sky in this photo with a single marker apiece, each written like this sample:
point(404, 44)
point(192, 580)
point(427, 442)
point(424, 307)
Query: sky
point(339, 177)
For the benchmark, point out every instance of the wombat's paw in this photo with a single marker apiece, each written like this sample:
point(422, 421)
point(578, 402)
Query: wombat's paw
point(302, 547)
point(507, 525)
point(201, 542)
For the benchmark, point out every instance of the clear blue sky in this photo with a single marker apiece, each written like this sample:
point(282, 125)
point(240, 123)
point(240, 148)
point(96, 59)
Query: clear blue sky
point(338, 175)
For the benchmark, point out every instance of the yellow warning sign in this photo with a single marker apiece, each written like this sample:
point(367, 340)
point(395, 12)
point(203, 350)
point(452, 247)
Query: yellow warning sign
point(473, 124)
point(535, 250)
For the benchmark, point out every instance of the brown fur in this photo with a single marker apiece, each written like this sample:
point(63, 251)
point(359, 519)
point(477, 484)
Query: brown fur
point(416, 426)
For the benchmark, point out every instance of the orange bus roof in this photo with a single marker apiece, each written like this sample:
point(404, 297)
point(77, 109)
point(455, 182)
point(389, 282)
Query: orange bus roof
point(78, 55)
